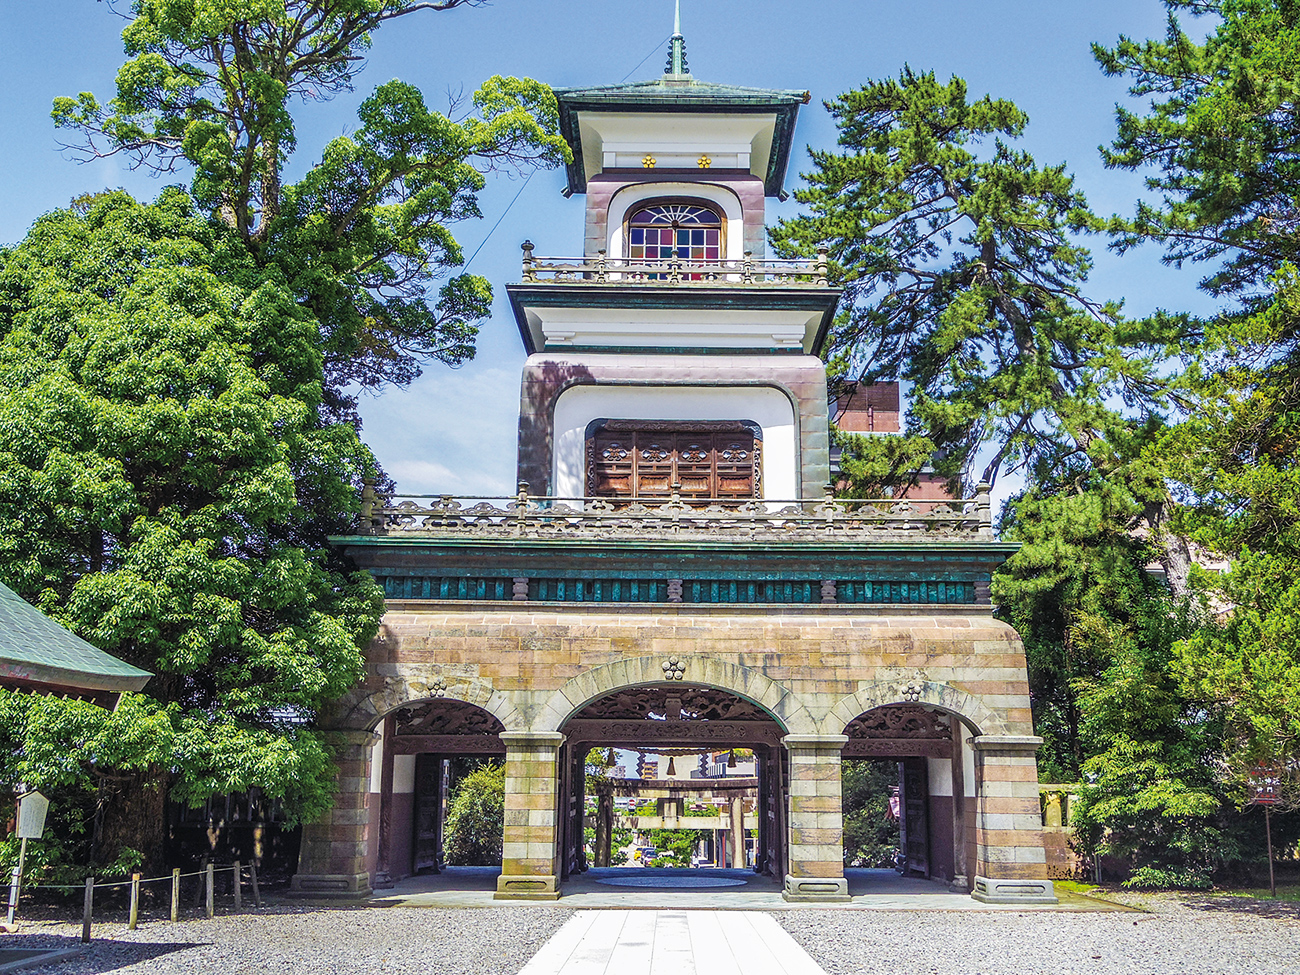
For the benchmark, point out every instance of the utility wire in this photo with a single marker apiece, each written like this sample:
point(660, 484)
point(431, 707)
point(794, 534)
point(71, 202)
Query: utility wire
point(498, 223)
point(657, 47)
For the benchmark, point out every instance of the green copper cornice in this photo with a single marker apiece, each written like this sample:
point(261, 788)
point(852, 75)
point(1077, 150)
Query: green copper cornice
point(684, 96)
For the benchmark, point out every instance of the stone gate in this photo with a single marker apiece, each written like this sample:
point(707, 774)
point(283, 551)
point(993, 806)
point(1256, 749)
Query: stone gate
point(675, 533)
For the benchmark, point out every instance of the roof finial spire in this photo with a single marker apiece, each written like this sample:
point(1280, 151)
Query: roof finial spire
point(677, 47)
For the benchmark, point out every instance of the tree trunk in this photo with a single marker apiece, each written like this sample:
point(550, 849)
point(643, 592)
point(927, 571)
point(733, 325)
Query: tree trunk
point(1173, 552)
point(133, 816)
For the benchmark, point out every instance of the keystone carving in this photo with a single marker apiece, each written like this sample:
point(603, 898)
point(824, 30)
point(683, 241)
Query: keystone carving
point(674, 669)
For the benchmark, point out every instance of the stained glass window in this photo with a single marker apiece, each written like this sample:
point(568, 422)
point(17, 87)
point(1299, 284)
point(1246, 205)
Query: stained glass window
point(681, 230)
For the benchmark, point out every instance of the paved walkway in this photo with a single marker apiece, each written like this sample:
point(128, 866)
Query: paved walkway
point(881, 890)
point(671, 943)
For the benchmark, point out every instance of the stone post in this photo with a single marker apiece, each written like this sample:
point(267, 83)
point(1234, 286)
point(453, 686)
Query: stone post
point(332, 858)
point(530, 854)
point(604, 826)
point(738, 860)
point(1010, 859)
point(815, 865)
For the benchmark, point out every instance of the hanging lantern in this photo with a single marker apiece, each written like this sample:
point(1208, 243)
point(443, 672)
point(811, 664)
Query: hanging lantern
point(672, 766)
point(731, 759)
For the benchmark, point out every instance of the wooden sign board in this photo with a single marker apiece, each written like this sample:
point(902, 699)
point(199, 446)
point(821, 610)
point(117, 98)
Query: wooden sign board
point(31, 816)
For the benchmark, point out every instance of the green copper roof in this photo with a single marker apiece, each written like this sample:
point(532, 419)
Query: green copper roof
point(671, 94)
point(34, 648)
point(682, 93)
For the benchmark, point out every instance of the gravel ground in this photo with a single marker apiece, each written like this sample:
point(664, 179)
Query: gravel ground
point(308, 941)
point(1174, 936)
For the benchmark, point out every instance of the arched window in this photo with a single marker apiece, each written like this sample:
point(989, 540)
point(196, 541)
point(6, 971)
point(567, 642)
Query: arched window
point(683, 230)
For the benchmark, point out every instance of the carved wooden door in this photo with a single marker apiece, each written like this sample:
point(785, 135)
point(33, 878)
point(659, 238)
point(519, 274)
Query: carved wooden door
point(428, 812)
point(646, 458)
point(914, 787)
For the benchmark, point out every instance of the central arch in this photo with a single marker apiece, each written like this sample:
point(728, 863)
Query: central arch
point(678, 718)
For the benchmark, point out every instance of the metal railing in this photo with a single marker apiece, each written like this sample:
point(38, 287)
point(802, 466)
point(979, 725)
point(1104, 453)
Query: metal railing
point(675, 271)
point(677, 516)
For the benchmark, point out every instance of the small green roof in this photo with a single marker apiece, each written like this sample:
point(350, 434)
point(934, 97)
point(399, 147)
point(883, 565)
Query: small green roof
point(682, 93)
point(36, 649)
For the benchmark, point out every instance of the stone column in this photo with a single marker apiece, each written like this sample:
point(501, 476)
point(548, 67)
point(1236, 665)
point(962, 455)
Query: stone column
point(530, 852)
point(604, 826)
point(1010, 859)
point(815, 865)
point(332, 858)
point(738, 832)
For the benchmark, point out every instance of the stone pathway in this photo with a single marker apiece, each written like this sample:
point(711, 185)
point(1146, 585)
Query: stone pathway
point(671, 943)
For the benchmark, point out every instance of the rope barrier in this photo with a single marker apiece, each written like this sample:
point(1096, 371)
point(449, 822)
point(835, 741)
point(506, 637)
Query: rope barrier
point(244, 871)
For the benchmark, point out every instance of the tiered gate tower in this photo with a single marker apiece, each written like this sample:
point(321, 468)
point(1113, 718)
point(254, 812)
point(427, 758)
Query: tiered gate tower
point(674, 573)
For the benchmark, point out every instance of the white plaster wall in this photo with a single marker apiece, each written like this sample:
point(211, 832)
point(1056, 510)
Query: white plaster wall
point(770, 408)
point(723, 198)
point(677, 138)
point(940, 772)
point(403, 773)
point(377, 761)
point(672, 328)
point(968, 761)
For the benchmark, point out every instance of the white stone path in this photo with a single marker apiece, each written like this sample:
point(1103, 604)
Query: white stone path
point(671, 943)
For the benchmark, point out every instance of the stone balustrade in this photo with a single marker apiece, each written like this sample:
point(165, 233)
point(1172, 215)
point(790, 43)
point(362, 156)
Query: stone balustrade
point(525, 515)
point(747, 273)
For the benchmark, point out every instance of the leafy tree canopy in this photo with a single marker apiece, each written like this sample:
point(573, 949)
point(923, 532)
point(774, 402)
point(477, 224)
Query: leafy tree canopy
point(962, 277)
point(476, 817)
point(1218, 142)
point(362, 240)
point(168, 481)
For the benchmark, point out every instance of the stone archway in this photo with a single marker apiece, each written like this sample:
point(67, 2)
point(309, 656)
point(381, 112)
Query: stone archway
point(944, 697)
point(403, 685)
point(361, 832)
point(677, 719)
point(417, 743)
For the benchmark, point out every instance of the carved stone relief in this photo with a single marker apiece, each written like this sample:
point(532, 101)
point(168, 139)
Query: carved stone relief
point(446, 717)
point(674, 703)
point(901, 721)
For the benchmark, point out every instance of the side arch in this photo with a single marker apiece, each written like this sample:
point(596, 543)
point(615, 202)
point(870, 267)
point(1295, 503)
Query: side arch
point(875, 694)
point(788, 711)
point(364, 707)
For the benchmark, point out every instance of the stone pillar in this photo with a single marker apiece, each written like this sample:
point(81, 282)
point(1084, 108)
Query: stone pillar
point(332, 858)
point(738, 832)
point(530, 854)
point(1011, 861)
point(815, 864)
point(604, 827)
point(961, 875)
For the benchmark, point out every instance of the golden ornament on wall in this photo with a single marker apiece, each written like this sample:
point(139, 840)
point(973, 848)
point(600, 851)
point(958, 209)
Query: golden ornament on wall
point(648, 162)
point(705, 162)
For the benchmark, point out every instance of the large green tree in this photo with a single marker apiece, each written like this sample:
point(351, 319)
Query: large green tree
point(1219, 144)
point(963, 277)
point(211, 86)
point(178, 383)
point(167, 485)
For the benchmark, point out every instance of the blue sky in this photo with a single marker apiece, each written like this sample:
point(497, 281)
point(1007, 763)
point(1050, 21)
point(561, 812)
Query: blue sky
point(454, 430)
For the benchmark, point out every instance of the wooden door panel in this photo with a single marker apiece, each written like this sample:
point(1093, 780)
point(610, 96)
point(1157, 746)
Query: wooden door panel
point(915, 809)
point(428, 811)
point(704, 463)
